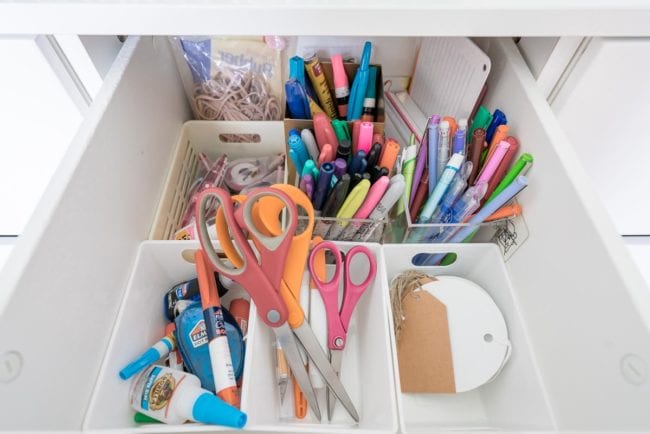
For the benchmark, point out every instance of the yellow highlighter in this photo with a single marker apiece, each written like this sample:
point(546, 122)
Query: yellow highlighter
point(349, 207)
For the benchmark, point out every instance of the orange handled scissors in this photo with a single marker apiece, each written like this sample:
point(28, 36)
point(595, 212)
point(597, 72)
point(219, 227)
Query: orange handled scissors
point(277, 305)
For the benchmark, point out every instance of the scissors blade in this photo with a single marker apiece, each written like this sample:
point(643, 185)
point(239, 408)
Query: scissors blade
point(317, 355)
point(335, 360)
point(292, 354)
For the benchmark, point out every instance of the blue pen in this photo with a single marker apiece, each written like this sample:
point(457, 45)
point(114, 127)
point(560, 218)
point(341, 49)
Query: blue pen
point(457, 187)
point(297, 102)
point(359, 85)
point(358, 163)
point(498, 118)
point(433, 151)
point(323, 185)
point(510, 191)
point(459, 142)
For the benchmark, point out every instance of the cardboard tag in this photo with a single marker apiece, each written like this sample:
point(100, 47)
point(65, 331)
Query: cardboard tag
point(424, 347)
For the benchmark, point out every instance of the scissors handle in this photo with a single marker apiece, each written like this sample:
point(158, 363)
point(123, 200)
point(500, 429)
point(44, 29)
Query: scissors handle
point(329, 292)
point(351, 292)
point(249, 274)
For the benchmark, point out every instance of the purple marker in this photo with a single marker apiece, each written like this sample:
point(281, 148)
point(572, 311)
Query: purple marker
point(307, 185)
point(323, 185)
point(459, 142)
point(420, 164)
point(340, 168)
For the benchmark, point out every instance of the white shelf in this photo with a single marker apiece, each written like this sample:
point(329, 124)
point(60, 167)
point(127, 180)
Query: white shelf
point(312, 17)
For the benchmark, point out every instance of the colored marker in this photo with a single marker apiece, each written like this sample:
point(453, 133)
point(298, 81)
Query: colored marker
point(310, 143)
point(434, 121)
point(323, 185)
point(341, 85)
point(352, 203)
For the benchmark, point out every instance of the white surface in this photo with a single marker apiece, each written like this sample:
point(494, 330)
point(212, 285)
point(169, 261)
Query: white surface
point(69, 268)
point(603, 108)
point(639, 248)
point(341, 17)
point(536, 52)
point(39, 119)
point(516, 399)
point(585, 304)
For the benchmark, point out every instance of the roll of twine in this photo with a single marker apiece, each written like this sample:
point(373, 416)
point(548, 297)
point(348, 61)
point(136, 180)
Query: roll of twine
point(235, 95)
point(402, 285)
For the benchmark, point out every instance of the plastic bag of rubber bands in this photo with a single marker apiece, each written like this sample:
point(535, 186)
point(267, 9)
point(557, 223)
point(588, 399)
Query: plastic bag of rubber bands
point(232, 78)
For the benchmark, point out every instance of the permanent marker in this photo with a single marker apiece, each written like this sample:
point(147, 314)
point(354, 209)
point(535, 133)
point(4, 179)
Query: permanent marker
point(358, 163)
point(323, 185)
point(310, 169)
point(369, 101)
point(377, 172)
point(332, 205)
point(310, 143)
point(341, 85)
point(374, 154)
point(345, 150)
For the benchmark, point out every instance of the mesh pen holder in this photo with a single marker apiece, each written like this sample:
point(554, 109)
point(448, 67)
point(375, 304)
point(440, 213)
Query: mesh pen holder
point(405, 230)
point(349, 229)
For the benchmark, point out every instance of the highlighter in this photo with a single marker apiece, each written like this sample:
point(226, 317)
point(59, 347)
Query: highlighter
point(319, 81)
point(324, 132)
point(407, 170)
point(520, 167)
point(326, 154)
point(341, 86)
point(352, 203)
point(487, 172)
point(500, 134)
point(375, 193)
point(341, 130)
point(500, 172)
point(365, 137)
point(389, 155)
point(369, 102)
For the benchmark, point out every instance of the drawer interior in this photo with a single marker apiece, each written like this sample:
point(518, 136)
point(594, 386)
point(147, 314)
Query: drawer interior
point(584, 306)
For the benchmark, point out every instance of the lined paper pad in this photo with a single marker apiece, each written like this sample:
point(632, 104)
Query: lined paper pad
point(449, 75)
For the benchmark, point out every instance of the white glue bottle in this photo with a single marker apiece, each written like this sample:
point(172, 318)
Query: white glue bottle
point(174, 397)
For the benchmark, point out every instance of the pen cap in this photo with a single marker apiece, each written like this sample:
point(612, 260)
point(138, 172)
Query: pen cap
point(365, 137)
point(344, 150)
point(340, 166)
point(340, 78)
point(462, 124)
point(434, 120)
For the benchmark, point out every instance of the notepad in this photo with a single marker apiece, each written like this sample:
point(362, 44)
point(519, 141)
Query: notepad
point(449, 75)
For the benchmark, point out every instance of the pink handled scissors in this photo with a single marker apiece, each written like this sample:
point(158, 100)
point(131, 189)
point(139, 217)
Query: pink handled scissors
point(338, 320)
point(264, 281)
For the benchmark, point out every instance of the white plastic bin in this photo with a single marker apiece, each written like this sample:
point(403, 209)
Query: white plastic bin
point(367, 369)
point(515, 399)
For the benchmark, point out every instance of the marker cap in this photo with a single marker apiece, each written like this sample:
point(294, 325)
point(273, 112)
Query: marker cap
point(456, 161)
point(444, 125)
point(340, 77)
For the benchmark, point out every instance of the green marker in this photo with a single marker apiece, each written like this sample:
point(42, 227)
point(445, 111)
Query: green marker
point(521, 166)
point(341, 130)
point(482, 119)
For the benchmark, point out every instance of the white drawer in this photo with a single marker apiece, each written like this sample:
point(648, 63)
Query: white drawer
point(584, 304)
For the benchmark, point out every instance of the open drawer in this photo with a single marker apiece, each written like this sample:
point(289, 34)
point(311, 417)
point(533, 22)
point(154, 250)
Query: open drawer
point(585, 307)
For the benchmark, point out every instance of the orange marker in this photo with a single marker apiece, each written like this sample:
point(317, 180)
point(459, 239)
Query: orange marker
point(389, 155)
point(505, 212)
point(500, 134)
point(220, 360)
point(453, 126)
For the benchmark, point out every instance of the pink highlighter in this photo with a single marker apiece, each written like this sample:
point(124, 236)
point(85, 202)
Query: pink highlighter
point(365, 137)
point(493, 163)
point(324, 132)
